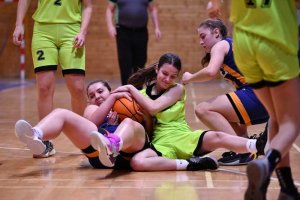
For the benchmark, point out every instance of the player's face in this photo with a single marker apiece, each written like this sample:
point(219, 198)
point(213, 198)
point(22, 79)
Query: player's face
point(208, 38)
point(166, 76)
point(97, 93)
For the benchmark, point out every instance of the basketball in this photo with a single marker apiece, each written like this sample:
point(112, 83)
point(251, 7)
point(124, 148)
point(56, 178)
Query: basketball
point(126, 108)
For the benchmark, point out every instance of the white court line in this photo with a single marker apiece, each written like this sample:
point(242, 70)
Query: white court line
point(209, 181)
point(22, 149)
point(297, 183)
point(296, 147)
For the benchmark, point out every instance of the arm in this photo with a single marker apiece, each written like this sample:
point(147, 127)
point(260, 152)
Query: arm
point(154, 106)
point(86, 18)
point(97, 114)
point(218, 52)
point(154, 16)
point(148, 124)
point(109, 19)
point(18, 34)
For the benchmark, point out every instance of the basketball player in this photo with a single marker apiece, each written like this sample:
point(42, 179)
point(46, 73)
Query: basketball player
point(232, 112)
point(58, 38)
point(266, 53)
point(129, 136)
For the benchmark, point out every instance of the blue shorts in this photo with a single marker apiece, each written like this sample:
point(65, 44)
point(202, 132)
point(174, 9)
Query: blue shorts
point(247, 106)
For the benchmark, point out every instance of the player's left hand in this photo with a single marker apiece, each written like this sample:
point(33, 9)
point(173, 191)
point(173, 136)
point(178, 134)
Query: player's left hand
point(79, 40)
point(113, 118)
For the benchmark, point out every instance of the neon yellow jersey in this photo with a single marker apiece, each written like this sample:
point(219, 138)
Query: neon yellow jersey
point(275, 20)
point(58, 11)
point(172, 136)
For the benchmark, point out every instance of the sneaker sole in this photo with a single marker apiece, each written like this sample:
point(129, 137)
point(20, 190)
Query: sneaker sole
point(236, 163)
point(98, 143)
point(239, 161)
point(23, 131)
point(49, 154)
point(256, 175)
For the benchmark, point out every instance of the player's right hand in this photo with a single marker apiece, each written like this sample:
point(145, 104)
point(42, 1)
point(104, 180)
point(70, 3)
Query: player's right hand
point(186, 78)
point(18, 35)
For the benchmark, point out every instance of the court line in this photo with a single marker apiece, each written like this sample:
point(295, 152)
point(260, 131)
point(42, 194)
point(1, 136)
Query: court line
point(297, 183)
point(296, 147)
point(209, 180)
point(25, 149)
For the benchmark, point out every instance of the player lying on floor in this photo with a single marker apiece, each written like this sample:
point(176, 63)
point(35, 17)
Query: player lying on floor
point(127, 138)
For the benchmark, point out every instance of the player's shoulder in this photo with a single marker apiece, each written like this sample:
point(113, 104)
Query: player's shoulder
point(178, 88)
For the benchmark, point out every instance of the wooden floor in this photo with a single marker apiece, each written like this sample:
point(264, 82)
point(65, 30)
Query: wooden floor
point(68, 176)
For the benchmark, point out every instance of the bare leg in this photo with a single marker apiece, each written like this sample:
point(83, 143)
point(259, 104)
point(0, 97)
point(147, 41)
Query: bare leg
point(75, 127)
point(218, 114)
point(133, 135)
point(148, 160)
point(285, 117)
point(213, 140)
point(76, 86)
point(45, 89)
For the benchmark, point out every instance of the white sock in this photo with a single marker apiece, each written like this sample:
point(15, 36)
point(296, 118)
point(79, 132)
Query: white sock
point(38, 132)
point(251, 146)
point(181, 164)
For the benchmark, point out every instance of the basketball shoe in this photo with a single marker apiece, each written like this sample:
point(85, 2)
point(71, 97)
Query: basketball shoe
point(49, 151)
point(26, 134)
point(233, 159)
point(108, 146)
point(258, 173)
point(261, 141)
point(284, 196)
point(202, 163)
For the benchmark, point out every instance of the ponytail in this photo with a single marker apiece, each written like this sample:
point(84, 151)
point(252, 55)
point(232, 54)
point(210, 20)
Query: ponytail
point(143, 76)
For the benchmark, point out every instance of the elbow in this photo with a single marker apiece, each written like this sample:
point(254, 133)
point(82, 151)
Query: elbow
point(151, 110)
point(211, 74)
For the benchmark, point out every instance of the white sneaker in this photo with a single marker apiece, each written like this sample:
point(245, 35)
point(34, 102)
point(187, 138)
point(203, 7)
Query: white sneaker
point(26, 135)
point(49, 151)
point(107, 154)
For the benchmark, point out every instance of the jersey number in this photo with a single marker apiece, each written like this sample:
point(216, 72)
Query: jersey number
point(253, 4)
point(57, 2)
point(40, 54)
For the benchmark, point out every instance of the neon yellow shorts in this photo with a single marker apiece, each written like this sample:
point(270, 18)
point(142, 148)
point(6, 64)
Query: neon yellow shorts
point(260, 59)
point(52, 44)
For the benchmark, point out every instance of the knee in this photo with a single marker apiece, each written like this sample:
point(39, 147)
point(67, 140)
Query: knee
point(45, 89)
point(60, 111)
point(201, 110)
point(76, 88)
point(137, 164)
point(215, 137)
point(77, 91)
point(128, 122)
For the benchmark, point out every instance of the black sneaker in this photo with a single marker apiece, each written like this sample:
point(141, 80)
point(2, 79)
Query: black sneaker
point(233, 159)
point(49, 151)
point(284, 196)
point(258, 174)
point(261, 141)
point(202, 163)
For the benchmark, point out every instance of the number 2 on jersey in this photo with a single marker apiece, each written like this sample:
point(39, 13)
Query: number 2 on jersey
point(57, 2)
point(253, 4)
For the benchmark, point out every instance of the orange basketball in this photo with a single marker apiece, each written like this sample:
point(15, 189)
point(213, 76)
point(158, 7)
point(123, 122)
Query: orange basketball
point(126, 108)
